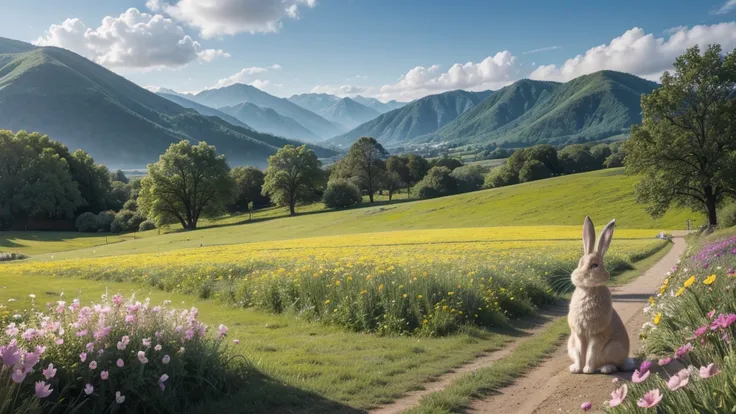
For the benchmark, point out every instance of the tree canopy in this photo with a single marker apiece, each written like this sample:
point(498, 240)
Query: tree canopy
point(365, 160)
point(293, 176)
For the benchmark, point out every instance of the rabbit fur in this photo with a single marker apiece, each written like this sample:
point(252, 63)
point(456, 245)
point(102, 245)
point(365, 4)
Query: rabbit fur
point(598, 338)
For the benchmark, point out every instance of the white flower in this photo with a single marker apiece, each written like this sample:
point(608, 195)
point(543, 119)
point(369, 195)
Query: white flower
point(32, 296)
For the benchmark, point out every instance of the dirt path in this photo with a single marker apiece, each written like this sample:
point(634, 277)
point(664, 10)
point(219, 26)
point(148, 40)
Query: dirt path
point(551, 388)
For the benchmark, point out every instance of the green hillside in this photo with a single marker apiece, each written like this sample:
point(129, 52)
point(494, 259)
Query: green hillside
point(83, 105)
point(421, 117)
point(267, 120)
point(595, 106)
point(603, 195)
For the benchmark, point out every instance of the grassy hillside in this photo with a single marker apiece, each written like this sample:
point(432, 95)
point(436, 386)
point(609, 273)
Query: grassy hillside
point(83, 105)
point(564, 200)
point(595, 106)
point(421, 117)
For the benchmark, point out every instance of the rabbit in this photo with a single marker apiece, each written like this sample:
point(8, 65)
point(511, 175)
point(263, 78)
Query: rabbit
point(598, 338)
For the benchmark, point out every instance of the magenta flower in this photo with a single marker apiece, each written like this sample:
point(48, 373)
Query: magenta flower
point(650, 399)
point(683, 350)
point(83, 356)
point(644, 367)
point(88, 389)
point(18, 376)
point(701, 331)
point(721, 322)
point(119, 398)
point(29, 360)
point(618, 395)
point(638, 377)
point(59, 341)
point(709, 371)
point(664, 361)
point(42, 389)
point(711, 313)
point(678, 380)
point(9, 353)
point(586, 405)
point(49, 372)
point(120, 363)
point(104, 375)
point(93, 365)
point(731, 271)
point(165, 359)
point(142, 357)
point(730, 319)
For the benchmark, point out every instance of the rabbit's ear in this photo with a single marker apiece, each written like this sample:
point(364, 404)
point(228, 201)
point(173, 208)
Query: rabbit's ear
point(588, 236)
point(606, 237)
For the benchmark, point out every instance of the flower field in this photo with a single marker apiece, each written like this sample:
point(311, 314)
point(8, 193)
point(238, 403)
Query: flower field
point(425, 281)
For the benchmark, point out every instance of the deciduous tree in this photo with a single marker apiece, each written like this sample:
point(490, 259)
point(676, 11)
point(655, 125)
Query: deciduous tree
point(293, 175)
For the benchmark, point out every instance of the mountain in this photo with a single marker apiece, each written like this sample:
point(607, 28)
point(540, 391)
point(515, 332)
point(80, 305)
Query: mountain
point(421, 117)
point(204, 110)
point(236, 94)
point(83, 105)
point(378, 105)
point(341, 111)
point(595, 106)
point(270, 121)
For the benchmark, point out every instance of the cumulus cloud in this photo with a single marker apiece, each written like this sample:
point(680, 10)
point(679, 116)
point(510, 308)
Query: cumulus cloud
point(229, 17)
point(727, 7)
point(132, 40)
point(246, 75)
point(339, 90)
point(492, 72)
point(640, 53)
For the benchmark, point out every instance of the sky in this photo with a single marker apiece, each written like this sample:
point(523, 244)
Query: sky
point(388, 49)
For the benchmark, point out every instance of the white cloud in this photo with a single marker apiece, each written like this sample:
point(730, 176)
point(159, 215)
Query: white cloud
point(229, 17)
point(727, 7)
point(543, 49)
point(341, 90)
point(640, 53)
point(245, 75)
point(491, 73)
point(132, 40)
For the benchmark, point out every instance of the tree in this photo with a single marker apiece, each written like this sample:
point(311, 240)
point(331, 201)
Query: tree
point(118, 176)
point(576, 158)
point(188, 182)
point(292, 176)
point(450, 163)
point(500, 177)
point(248, 183)
point(366, 162)
point(600, 154)
point(469, 178)
point(341, 194)
point(534, 170)
point(93, 180)
point(418, 167)
point(685, 147)
point(437, 183)
point(398, 174)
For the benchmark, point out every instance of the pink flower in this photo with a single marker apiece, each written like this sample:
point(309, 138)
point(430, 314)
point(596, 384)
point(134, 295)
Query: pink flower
point(59, 341)
point(83, 356)
point(18, 376)
point(81, 333)
point(90, 347)
point(221, 331)
point(615, 380)
point(117, 299)
point(683, 350)
point(586, 405)
point(720, 322)
point(664, 361)
point(120, 363)
point(638, 377)
point(701, 331)
point(618, 395)
point(709, 371)
point(49, 372)
point(29, 360)
point(88, 389)
point(678, 380)
point(146, 342)
point(236, 341)
point(650, 399)
point(119, 398)
point(644, 367)
point(130, 318)
point(730, 319)
point(157, 347)
point(711, 313)
point(104, 375)
point(43, 390)
point(165, 359)
point(142, 357)
point(9, 353)
point(162, 380)
point(93, 365)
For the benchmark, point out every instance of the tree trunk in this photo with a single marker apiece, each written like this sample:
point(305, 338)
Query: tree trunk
point(710, 207)
point(370, 197)
point(292, 212)
point(390, 195)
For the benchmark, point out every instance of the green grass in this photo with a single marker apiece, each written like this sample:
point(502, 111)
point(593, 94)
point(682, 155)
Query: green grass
point(564, 200)
point(639, 267)
point(48, 242)
point(489, 163)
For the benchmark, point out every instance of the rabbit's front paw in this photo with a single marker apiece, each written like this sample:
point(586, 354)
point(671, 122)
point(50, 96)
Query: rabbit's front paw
point(575, 368)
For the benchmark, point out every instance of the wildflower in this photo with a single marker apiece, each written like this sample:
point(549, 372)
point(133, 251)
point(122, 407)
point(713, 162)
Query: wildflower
point(683, 350)
point(680, 291)
point(142, 357)
point(157, 347)
point(586, 405)
point(327, 302)
point(689, 281)
point(363, 292)
point(165, 359)
point(236, 341)
point(615, 380)
point(337, 283)
point(711, 313)
point(9, 353)
point(731, 272)
point(618, 395)
point(146, 342)
point(450, 293)
point(701, 331)
point(221, 331)
point(721, 322)
point(650, 399)
point(88, 389)
point(93, 365)
point(120, 363)
point(104, 375)
point(709, 371)
point(657, 318)
point(419, 296)
point(42, 389)
point(638, 377)
point(710, 279)
point(162, 380)
point(83, 356)
point(18, 376)
point(404, 295)
point(119, 398)
point(678, 380)
point(49, 372)
point(59, 341)
point(644, 367)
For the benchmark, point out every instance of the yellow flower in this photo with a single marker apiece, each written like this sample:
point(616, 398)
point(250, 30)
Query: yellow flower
point(404, 295)
point(657, 318)
point(680, 291)
point(424, 322)
point(380, 287)
point(450, 293)
point(327, 301)
point(444, 307)
point(363, 292)
point(710, 280)
point(419, 296)
point(337, 283)
point(689, 282)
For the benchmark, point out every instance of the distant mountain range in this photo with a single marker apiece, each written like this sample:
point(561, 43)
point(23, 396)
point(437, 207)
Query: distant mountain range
point(379, 106)
point(268, 120)
point(527, 112)
point(341, 111)
point(83, 105)
point(421, 117)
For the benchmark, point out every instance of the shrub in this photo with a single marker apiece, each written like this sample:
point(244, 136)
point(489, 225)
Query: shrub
point(131, 205)
point(104, 220)
point(727, 216)
point(500, 177)
point(341, 194)
point(437, 183)
point(114, 356)
point(7, 257)
point(534, 170)
point(126, 220)
point(87, 223)
point(146, 225)
point(469, 177)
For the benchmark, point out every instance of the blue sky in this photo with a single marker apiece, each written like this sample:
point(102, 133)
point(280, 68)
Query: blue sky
point(392, 49)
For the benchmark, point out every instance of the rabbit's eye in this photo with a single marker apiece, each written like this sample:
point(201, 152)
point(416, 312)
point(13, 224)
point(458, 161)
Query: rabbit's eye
point(593, 265)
